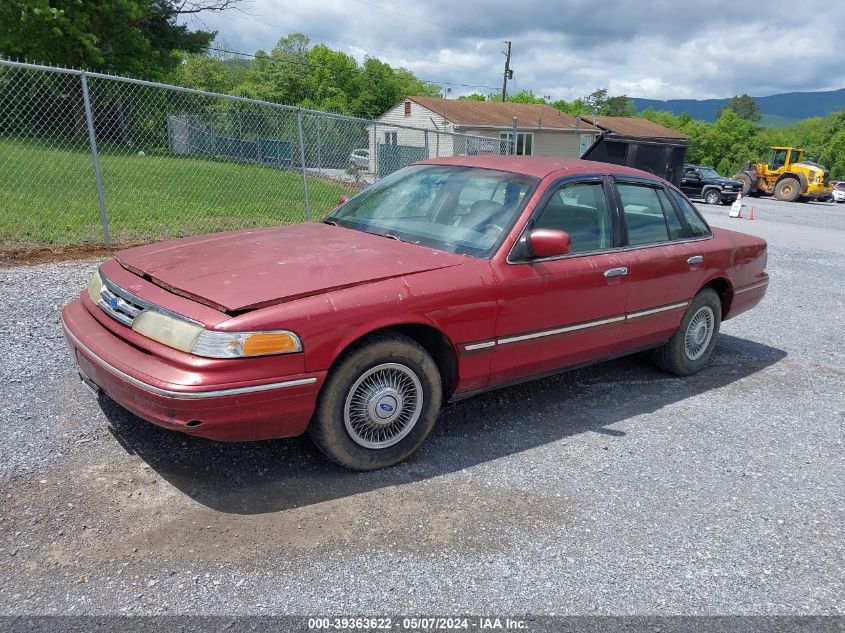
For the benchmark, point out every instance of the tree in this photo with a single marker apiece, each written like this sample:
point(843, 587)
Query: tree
point(332, 79)
point(619, 106)
point(525, 96)
point(577, 107)
point(475, 96)
point(203, 73)
point(596, 101)
point(745, 107)
point(130, 37)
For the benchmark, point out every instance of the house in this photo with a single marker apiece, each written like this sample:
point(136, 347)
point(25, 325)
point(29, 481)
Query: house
point(639, 143)
point(447, 127)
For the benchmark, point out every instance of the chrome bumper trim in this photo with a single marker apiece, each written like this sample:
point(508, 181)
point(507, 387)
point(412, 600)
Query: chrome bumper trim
point(759, 284)
point(182, 395)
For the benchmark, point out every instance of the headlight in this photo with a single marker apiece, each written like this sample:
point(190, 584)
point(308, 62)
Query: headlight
point(95, 286)
point(239, 344)
point(194, 339)
point(167, 330)
point(190, 336)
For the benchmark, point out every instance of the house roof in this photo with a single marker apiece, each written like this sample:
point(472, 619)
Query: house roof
point(630, 126)
point(500, 114)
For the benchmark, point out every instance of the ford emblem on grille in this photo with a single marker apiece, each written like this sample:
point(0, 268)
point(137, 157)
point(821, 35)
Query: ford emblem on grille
point(114, 302)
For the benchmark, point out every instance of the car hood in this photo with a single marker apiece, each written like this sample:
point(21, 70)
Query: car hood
point(726, 181)
point(240, 271)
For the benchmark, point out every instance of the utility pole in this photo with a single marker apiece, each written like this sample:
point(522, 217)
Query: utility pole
point(508, 71)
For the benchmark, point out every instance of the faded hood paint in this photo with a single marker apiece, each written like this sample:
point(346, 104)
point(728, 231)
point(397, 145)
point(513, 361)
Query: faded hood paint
point(250, 269)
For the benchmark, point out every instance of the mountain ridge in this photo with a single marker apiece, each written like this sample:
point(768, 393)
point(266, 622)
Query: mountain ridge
point(784, 106)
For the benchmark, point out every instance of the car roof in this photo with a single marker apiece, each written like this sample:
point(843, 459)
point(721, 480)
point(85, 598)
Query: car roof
point(540, 166)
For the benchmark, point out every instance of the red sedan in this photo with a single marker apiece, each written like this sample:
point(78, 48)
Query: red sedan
point(443, 280)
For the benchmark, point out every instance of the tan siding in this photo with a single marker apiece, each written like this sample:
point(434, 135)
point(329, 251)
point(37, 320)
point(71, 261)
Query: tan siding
point(562, 144)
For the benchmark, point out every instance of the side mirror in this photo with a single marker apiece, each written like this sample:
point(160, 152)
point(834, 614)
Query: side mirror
point(548, 243)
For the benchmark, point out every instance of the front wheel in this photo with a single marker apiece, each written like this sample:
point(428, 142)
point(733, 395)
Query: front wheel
point(379, 403)
point(712, 196)
point(690, 347)
point(745, 180)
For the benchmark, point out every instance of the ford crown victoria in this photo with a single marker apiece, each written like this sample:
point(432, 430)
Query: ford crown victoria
point(445, 279)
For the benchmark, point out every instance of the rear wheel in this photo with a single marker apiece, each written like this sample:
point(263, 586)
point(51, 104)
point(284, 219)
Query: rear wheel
point(378, 404)
point(691, 346)
point(712, 196)
point(788, 190)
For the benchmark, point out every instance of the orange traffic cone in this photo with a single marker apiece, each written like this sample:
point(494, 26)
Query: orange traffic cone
point(750, 214)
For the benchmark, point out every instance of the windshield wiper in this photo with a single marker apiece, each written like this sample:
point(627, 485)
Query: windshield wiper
point(394, 237)
point(332, 222)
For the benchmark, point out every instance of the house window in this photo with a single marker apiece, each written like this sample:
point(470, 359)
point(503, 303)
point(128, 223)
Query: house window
point(408, 107)
point(524, 143)
point(391, 138)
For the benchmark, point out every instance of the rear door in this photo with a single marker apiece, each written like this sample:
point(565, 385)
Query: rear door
point(666, 263)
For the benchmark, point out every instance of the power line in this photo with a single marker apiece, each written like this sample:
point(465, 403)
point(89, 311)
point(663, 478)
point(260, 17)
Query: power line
point(359, 46)
point(307, 65)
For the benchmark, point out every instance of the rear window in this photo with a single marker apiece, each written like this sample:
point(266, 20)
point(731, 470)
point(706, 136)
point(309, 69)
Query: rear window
point(698, 227)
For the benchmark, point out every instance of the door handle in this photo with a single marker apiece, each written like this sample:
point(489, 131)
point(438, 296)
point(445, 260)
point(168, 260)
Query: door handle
point(616, 272)
point(696, 259)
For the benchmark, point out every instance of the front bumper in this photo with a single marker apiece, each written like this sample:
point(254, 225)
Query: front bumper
point(729, 196)
point(235, 411)
point(818, 190)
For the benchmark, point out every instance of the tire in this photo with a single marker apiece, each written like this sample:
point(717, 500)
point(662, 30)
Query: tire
point(378, 404)
point(788, 190)
point(713, 196)
point(745, 179)
point(700, 324)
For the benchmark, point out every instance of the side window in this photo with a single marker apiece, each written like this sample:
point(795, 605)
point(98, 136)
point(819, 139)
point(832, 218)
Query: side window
point(698, 227)
point(644, 215)
point(581, 210)
point(676, 229)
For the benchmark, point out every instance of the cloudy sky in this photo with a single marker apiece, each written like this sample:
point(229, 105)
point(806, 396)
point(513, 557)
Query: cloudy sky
point(658, 49)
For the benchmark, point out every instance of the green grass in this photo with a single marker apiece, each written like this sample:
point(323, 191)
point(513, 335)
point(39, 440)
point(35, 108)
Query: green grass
point(48, 195)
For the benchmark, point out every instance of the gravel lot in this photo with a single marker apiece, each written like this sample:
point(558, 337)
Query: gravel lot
point(611, 490)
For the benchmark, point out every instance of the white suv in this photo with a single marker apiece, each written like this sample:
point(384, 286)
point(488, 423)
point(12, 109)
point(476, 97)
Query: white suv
point(839, 191)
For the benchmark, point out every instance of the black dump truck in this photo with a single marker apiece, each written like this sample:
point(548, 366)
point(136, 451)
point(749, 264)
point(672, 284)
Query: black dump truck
point(641, 144)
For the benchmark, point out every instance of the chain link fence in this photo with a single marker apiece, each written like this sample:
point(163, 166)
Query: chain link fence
point(92, 158)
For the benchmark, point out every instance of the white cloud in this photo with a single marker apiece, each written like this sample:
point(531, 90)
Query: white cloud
point(658, 49)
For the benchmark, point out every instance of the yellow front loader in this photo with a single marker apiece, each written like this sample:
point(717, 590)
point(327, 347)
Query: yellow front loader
point(784, 174)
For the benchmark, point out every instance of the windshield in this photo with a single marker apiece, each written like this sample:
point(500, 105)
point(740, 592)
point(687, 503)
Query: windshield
point(775, 158)
point(707, 172)
point(463, 210)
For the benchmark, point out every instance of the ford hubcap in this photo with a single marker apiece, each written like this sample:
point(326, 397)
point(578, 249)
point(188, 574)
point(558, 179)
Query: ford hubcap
point(699, 332)
point(383, 405)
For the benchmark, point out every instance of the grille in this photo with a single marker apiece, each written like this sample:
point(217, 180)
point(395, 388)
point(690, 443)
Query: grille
point(119, 304)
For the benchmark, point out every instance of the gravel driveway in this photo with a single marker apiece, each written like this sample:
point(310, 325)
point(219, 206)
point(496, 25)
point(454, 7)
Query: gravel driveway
point(610, 490)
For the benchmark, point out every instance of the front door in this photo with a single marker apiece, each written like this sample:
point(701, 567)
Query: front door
point(691, 183)
point(565, 310)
